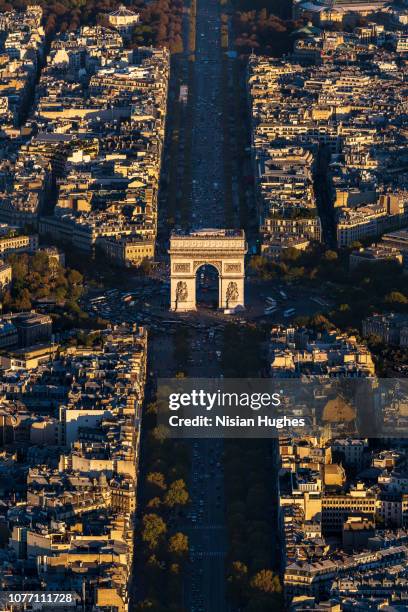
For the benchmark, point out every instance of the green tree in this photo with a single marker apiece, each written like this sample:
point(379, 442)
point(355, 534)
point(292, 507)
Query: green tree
point(60, 294)
point(7, 300)
point(374, 342)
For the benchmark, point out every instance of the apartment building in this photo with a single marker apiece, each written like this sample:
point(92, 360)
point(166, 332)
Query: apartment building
point(324, 107)
point(374, 255)
point(79, 504)
point(92, 169)
point(391, 328)
point(15, 243)
point(331, 354)
point(128, 250)
point(6, 275)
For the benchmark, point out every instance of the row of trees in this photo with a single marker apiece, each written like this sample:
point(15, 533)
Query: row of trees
point(181, 348)
point(161, 24)
point(357, 292)
point(250, 520)
point(68, 15)
point(315, 263)
point(282, 8)
point(162, 547)
point(241, 354)
point(389, 360)
point(161, 20)
point(263, 32)
point(192, 26)
point(36, 278)
point(253, 585)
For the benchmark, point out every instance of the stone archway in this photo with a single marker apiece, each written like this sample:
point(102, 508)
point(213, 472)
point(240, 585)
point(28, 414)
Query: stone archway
point(224, 250)
point(204, 273)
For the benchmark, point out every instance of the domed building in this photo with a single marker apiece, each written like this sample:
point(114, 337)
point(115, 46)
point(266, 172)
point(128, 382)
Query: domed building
point(123, 20)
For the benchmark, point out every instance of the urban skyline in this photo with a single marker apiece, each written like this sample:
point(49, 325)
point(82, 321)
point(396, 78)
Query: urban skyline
point(203, 195)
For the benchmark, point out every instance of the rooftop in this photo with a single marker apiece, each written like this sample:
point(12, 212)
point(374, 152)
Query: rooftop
point(210, 233)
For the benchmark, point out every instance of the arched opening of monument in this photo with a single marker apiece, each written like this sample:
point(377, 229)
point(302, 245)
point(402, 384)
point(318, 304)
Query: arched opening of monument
point(207, 286)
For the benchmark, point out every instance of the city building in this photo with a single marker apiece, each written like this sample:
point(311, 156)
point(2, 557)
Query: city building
point(6, 275)
point(88, 171)
point(128, 250)
point(123, 20)
point(329, 109)
point(16, 243)
point(76, 418)
point(375, 255)
point(392, 328)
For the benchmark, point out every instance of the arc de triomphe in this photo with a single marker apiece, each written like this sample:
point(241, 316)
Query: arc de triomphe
point(223, 249)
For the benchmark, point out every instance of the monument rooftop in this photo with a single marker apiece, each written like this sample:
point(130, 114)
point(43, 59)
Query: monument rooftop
point(210, 232)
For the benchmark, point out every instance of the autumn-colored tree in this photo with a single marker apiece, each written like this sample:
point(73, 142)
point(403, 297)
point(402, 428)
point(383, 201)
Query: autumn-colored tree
point(155, 485)
point(23, 300)
point(160, 433)
point(266, 581)
point(157, 479)
point(177, 494)
point(396, 297)
point(237, 581)
point(178, 544)
point(154, 503)
point(320, 323)
point(330, 255)
point(149, 605)
point(74, 277)
point(263, 30)
point(153, 529)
